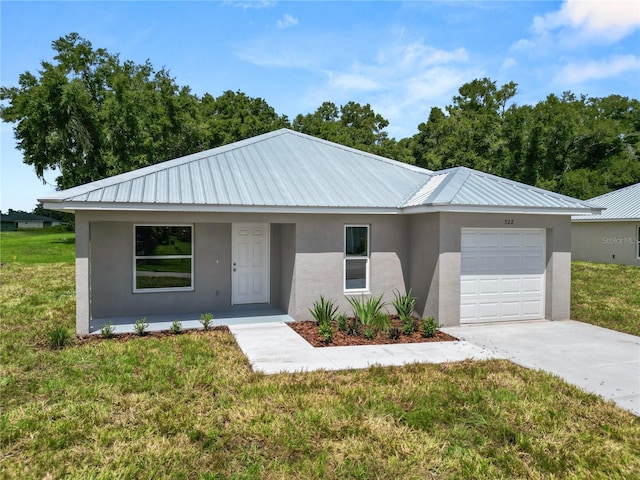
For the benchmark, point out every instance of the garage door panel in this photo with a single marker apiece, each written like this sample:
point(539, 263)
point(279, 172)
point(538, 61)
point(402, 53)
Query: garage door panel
point(488, 286)
point(533, 285)
point(489, 240)
point(511, 239)
point(488, 310)
point(532, 308)
point(533, 263)
point(469, 287)
point(533, 239)
point(511, 285)
point(511, 309)
point(502, 275)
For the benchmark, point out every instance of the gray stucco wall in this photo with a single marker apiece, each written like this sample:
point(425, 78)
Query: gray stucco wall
point(421, 252)
point(112, 273)
point(319, 264)
point(605, 242)
point(437, 269)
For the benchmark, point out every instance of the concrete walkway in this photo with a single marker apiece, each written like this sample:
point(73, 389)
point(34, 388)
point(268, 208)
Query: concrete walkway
point(276, 348)
point(598, 360)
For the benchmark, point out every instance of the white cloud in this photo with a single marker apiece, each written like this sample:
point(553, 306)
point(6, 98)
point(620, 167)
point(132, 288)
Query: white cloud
point(596, 70)
point(609, 20)
point(250, 4)
point(351, 81)
point(401, 79)
point(401, 83)
point(287, 21)
point(509, 63)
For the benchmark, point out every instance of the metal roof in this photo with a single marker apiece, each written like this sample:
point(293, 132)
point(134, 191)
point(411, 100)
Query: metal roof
point(289, 170)
point(282, 168)
point(623, 204)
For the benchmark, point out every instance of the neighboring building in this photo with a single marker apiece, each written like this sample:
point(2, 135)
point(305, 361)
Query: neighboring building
point(282, 218)
point(14, 220)
point(614, 235)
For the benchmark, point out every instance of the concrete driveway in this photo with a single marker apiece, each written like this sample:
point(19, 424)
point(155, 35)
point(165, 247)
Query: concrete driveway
point(596, 359)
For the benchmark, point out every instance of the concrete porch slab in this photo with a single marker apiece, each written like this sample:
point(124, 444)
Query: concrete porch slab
point(238, 315)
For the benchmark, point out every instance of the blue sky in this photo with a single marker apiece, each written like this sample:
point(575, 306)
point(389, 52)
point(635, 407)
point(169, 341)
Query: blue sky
point(400, 57)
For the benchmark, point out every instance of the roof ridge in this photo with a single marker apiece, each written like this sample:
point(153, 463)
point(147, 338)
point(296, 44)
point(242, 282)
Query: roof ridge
point(374, 156)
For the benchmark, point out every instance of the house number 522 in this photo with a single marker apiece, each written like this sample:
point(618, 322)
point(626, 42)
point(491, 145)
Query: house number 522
point(508, 221)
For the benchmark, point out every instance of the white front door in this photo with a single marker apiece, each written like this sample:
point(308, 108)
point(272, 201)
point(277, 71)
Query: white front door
point(250, 263)
point(502, 274)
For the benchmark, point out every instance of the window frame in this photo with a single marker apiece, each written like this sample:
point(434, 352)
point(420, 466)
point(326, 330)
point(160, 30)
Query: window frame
point(638, 242)
point(137, 257)
point(345, 260)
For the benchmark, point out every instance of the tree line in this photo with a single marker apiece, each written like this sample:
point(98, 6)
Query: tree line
point(89, 115)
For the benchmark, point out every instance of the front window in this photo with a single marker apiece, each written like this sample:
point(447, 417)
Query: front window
point(163, 258)
point(356, 258)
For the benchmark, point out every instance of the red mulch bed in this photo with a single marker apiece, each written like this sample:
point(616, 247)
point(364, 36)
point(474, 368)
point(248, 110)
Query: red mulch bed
point(309, 331)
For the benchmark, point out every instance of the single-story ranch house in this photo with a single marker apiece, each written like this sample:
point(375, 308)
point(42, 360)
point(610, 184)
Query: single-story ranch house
point(282, 218)
point(14, 220)
point(613, 236)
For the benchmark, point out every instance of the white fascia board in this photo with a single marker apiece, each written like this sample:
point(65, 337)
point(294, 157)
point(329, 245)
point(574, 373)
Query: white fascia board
point(602, 220)
point(497, 209)
point(157, 207)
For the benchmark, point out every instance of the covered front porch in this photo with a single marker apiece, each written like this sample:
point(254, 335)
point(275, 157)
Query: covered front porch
point(236, 315)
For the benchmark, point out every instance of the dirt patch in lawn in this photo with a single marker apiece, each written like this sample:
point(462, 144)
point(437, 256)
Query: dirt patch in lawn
point(309, 331)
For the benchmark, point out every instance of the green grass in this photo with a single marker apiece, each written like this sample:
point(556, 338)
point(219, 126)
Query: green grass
point(188, 406)
point(606, 295)
point(37, 246)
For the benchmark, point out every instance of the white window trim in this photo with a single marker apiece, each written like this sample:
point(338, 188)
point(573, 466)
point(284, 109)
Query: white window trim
point(163, 257)
point(356, 291)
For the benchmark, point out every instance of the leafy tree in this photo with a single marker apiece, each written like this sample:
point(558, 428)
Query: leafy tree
point(234, 116)
point(89, 115)
point(353, 125)
point(581, 147)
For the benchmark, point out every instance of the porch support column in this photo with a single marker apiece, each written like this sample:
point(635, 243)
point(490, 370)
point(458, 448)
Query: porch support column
point(83, 312)
point(558, 290)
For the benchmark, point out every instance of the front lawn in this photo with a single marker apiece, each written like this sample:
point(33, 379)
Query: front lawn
point(188, 406)
point(606, 295)
point(44, 245)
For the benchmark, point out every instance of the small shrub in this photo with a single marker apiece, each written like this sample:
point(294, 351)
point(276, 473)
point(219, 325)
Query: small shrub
point(323, 311)
point(369, 332)
point(353, 327)
point(206, 319)
point(175, 327)
point(140, 326)
point(343, 322)
point(381, 322)
point(325, 332)
point(59, 337)
point(394, 333)
point(107, 330)
point(408, 325)
point(367, 310)
point(404, 304)
point(428, 327)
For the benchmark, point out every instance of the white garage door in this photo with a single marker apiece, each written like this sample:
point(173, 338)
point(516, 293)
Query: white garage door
point(502, 274)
